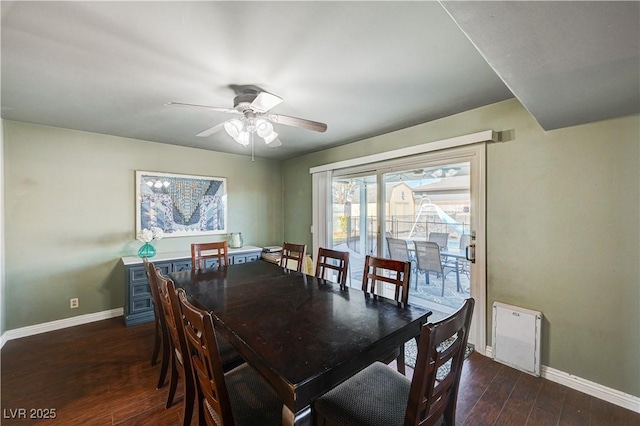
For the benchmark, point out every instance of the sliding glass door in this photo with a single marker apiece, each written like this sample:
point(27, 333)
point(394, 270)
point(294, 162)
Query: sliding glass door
point(431, 203)
point(435, 199)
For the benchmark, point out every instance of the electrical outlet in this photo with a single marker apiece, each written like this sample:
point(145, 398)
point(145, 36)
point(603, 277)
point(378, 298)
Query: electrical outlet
point(74, 303)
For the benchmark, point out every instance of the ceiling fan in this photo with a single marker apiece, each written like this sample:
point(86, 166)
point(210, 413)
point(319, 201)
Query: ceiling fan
point(253, 107)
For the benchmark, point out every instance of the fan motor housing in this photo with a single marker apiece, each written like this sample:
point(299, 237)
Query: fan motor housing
point(243, 101)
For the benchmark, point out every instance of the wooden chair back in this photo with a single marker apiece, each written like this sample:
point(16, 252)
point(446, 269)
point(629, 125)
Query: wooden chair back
point(392, 271)
point(181, 362)
point(207, 364)
point(293, 252)
point(429, 398)
point(203, 251)
point(332, 260)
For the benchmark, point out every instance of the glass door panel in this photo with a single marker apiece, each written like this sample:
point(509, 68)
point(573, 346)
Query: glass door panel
point(431, 203)
point(355, 221)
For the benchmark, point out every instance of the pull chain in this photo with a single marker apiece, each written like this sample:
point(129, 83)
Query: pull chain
point(253, 160)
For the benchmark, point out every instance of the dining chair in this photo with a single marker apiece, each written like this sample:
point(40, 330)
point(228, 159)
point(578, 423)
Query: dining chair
point(201, 252)
point(429, 260)
point(293, 252)
point(378, 395)
point(396, 272)
point(180, 362)
point(442, 238)
point(240, 396)
point(161, 333)
point(332, 260)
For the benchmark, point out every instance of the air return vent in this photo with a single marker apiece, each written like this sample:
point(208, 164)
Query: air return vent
point(516, 337)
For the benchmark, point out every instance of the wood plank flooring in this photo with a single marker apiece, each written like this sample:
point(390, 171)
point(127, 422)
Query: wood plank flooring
point(100, 374)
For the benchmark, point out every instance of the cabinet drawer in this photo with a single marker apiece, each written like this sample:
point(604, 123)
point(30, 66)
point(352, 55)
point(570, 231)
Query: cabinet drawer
point(244, 258)
point(140, 289)
point(137, 274)
point(184, 265)
point(140, 304)
point(210, 263)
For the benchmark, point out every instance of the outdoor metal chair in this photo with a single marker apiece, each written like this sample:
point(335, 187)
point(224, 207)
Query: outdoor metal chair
point(442, 238)
point(399, 250)
point(429, 260)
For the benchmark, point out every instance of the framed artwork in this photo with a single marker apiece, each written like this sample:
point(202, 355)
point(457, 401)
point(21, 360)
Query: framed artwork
point(181, 205)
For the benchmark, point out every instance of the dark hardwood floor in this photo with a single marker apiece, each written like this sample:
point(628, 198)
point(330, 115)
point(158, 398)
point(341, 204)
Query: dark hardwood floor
point(100, 374)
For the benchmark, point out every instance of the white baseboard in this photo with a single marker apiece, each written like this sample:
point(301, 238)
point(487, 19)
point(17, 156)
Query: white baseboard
point(59, 324)
point(596, 390)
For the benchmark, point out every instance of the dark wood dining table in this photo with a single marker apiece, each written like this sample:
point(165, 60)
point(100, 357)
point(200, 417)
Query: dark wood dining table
point(303, 334)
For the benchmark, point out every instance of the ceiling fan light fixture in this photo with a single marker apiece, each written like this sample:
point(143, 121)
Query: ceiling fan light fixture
point(243, 138)
point(233, 128)
point(270, 137)
point(263, 127)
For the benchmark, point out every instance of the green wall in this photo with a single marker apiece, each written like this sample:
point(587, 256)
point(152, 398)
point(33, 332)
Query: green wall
point(563, 234)
point(70, 214)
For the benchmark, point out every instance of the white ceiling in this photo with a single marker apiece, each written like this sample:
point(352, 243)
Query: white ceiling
point(364, 68)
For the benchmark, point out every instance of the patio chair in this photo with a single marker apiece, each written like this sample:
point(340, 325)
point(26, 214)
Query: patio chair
point(399, 250)
point(442, 238)
point(460, 265)
point(429, 260)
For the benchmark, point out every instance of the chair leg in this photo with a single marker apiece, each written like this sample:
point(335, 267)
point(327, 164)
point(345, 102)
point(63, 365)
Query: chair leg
point(173, 384)
point(189, 399)
point(442, 285)
point(400, 361)
point(156, 346)
point(166, 353)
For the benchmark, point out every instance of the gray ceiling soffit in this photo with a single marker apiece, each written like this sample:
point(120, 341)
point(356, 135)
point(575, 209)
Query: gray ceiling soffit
point(568, 63)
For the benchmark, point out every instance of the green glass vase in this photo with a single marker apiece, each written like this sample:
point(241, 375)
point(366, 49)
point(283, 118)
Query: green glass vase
point(147, 250)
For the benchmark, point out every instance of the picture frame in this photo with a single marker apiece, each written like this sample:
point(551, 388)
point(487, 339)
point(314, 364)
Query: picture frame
point(181, 205)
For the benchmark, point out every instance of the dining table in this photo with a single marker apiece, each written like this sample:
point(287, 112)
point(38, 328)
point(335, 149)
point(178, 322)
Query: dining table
point(303, 334)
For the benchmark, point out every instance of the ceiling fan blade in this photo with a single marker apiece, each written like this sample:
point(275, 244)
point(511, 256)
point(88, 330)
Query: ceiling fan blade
point(210, 108)
point(265, 101)
point(211, 130)
point(275, 143)
point(298, 122)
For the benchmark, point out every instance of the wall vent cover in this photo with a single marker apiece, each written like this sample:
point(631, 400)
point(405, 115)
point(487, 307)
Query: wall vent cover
point(516, 337)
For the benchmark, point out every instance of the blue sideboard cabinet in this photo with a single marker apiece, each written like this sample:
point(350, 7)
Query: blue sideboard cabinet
point(138, 305)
